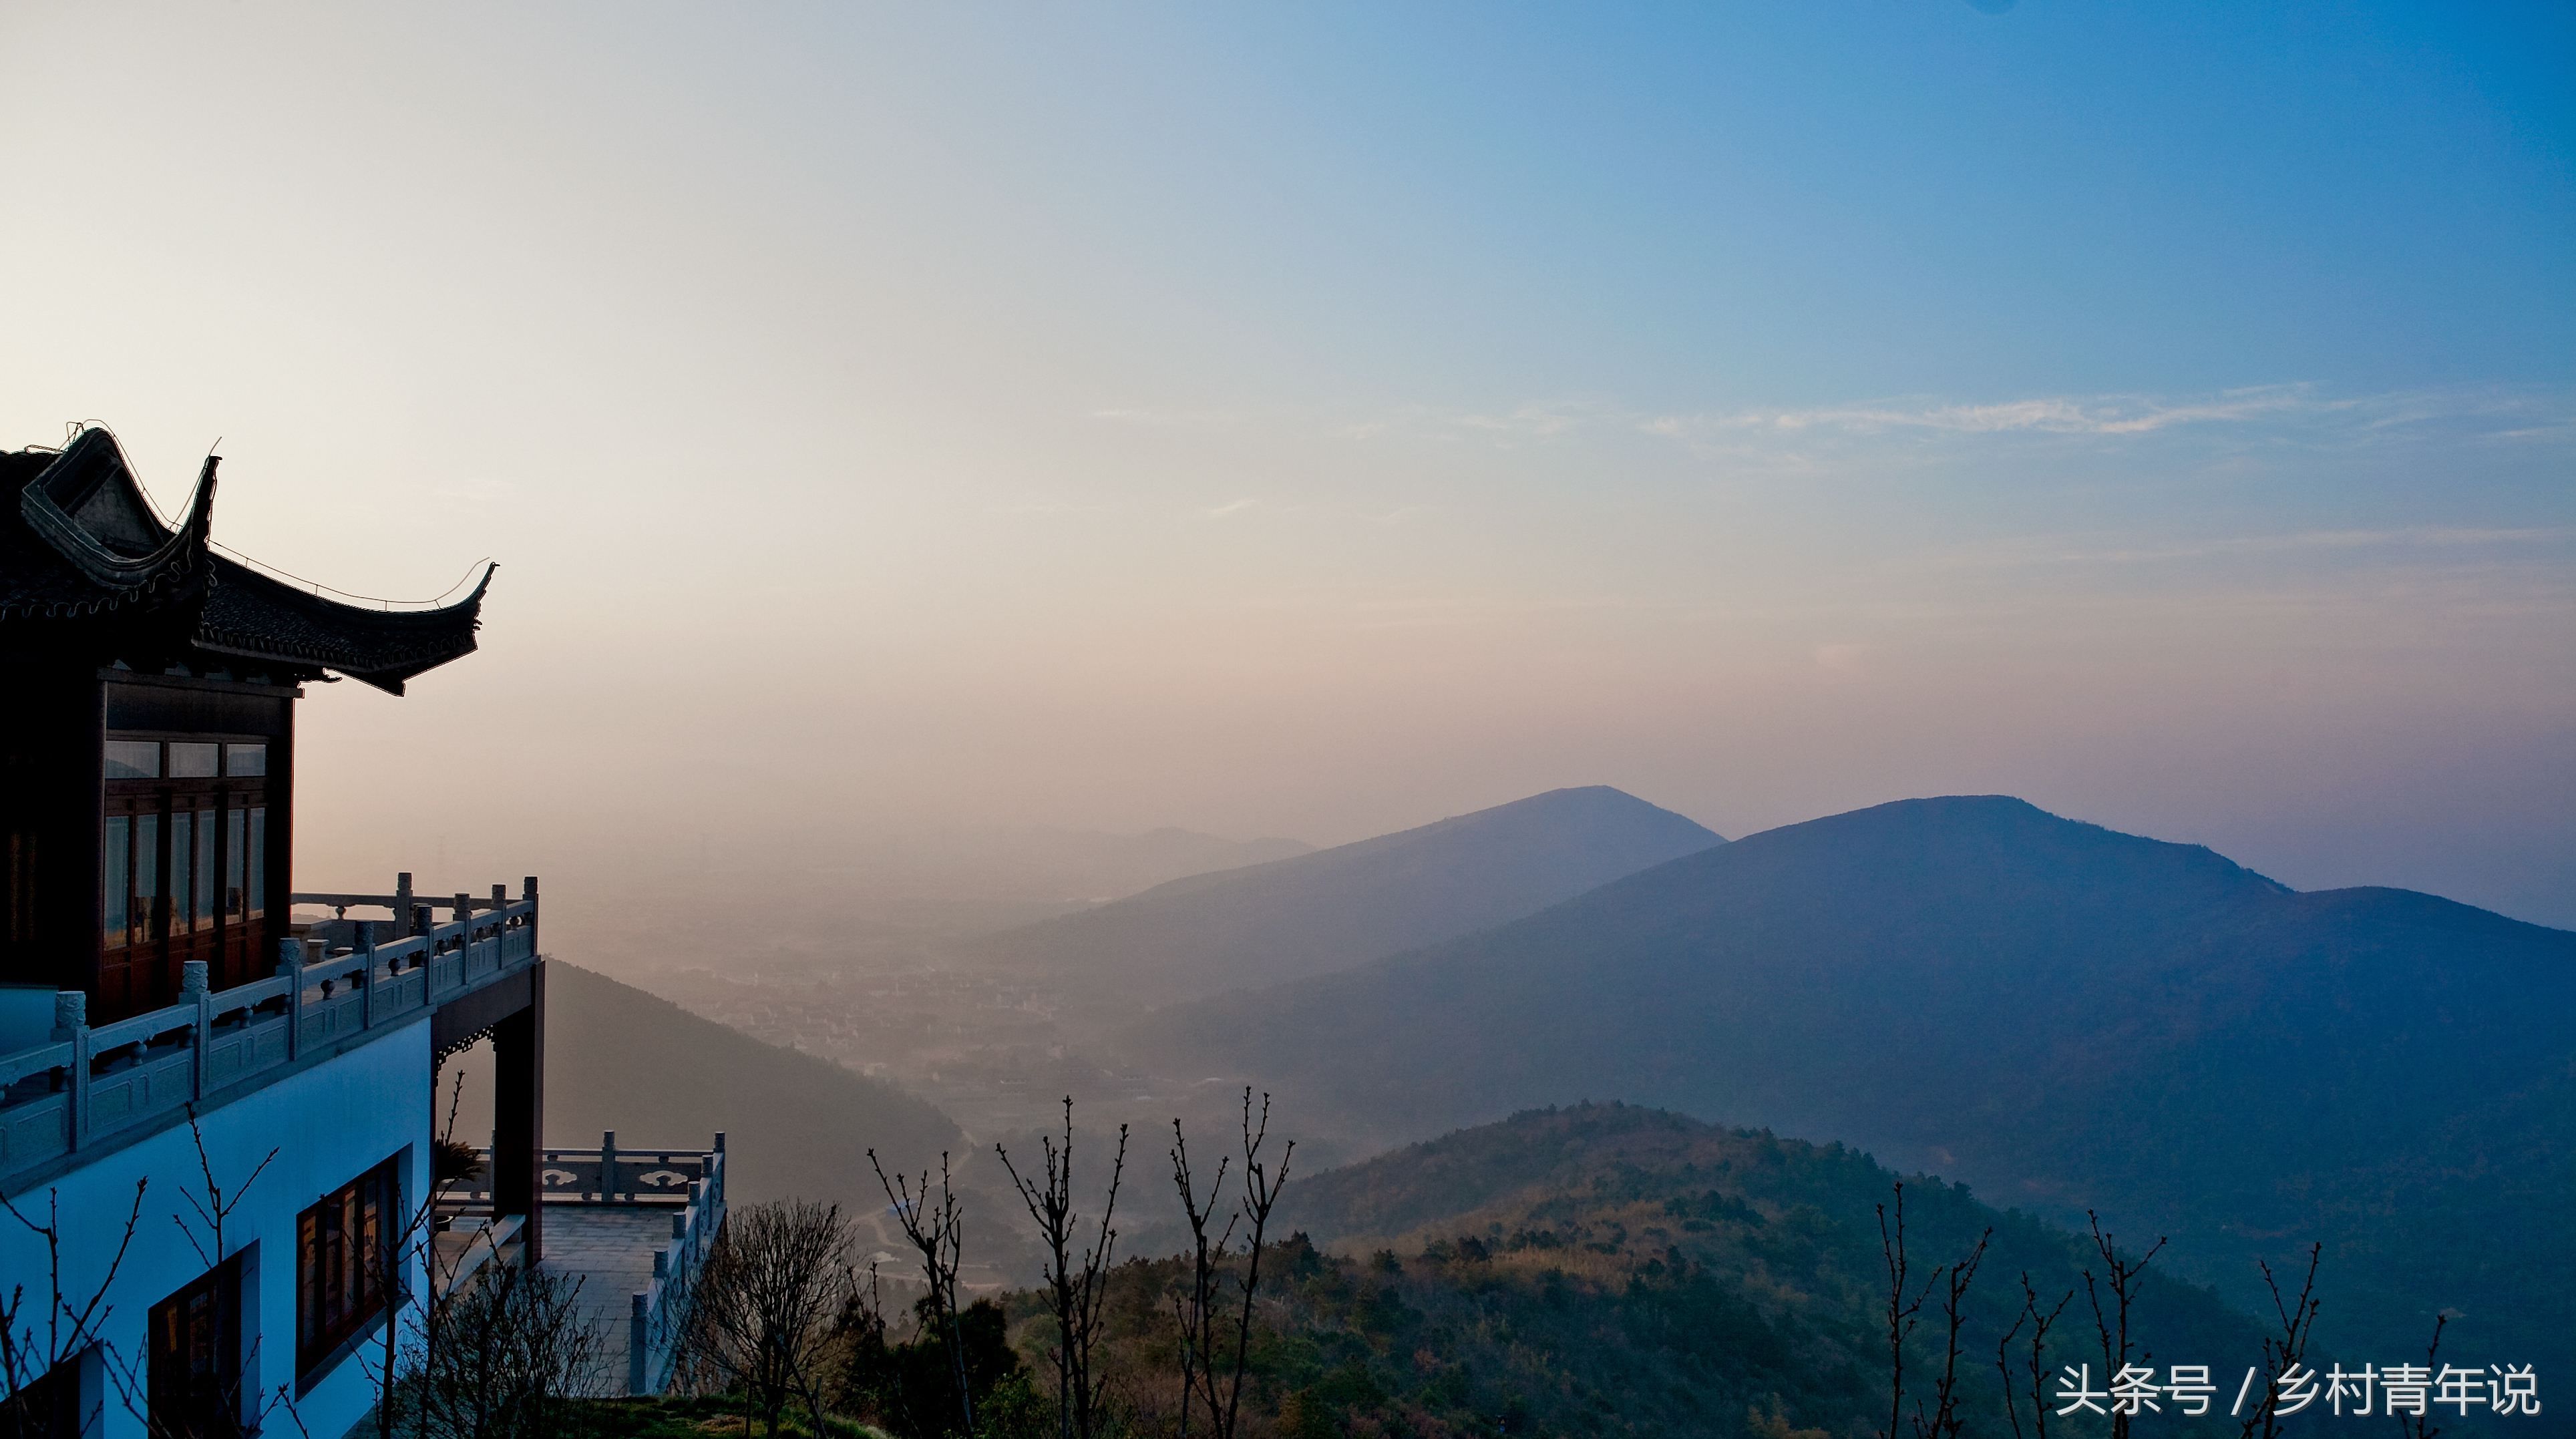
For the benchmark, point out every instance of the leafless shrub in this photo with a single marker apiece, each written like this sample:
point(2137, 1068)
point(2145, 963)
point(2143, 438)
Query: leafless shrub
point(1944, 1422)
point(33, 1346)
point(2033, 1381)
point(935, 1234)
point(1076, 1288)
point(77, 1326)
point(2420, 1426)
point(510, 1355)
point(764, 1306)
point(1903, 1309)
point(1213, 1363)
point(2121, 1276)
point(2282, 1354)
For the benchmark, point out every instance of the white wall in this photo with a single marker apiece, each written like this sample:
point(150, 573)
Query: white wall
point(328, 1125)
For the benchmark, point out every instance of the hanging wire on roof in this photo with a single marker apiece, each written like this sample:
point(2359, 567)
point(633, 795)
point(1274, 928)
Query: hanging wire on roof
point(73, 429)
point(319, 588)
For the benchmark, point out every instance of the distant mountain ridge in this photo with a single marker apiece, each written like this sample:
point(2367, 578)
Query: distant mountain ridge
point(2066, 1015)
point(1334, 908)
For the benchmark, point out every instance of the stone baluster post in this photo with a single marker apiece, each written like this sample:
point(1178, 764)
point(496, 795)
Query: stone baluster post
point(193, 990)
point(402, 905)
point(365, 954)
point(71, 1022)
point(639, 1343)
point(290, 967)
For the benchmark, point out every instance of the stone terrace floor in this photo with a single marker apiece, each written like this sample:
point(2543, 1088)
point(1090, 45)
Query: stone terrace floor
point(609, 1248)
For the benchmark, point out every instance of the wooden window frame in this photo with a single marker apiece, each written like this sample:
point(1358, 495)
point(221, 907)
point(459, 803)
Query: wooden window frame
point(47, 1407)
point(187, 1398)
point(341, 1290)
point(212, 902)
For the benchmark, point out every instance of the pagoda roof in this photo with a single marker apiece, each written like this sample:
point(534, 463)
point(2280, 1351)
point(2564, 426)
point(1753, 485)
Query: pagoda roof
point(82, 550)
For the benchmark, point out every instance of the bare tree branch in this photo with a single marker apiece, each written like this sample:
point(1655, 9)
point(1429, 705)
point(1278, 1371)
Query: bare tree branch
point(1075, 1291)
point(937, 1236)
point(2037, 1369)
point(1901, 1311)
point(2113, 1329)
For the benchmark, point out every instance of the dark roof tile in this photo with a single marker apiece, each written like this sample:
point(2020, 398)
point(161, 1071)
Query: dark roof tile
point(79, 541)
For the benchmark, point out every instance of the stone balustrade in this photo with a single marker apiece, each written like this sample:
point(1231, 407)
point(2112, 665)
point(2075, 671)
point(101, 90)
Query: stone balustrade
point(88, 1088)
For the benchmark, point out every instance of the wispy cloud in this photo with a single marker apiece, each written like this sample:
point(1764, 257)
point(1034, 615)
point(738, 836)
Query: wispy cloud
point(2062, 551)
point(2056, 415)
point(1533, 420)
point(2297, 410)
point(1157, 419)
point(1043, 507)
point(1231, 507)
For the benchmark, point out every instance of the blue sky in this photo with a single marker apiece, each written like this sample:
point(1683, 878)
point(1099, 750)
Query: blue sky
point(1317, 421)
point(1789, 204)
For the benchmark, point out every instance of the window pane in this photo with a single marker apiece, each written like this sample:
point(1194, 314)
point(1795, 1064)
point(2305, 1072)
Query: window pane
point(245, 759)
point(133, 759)
point(308, 1287)
point(147, 872)
point(234, 822)
point(259, 863)
point(195, 1359)
point(204, 887)
point(190, 760)
point(182, 830)
point(113, 877)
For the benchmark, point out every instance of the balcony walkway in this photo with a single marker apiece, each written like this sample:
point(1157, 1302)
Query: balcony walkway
point(634, 1226)
point(609, 1248)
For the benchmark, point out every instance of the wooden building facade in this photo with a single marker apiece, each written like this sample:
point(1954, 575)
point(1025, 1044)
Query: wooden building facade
point(147, 729)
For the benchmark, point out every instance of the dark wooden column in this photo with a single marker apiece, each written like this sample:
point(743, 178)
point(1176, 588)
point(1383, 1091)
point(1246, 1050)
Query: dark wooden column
point(50, 790)
point(519, 1114)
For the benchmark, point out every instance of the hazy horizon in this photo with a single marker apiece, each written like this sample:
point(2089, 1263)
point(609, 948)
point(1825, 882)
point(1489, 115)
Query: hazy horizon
point(903, 425)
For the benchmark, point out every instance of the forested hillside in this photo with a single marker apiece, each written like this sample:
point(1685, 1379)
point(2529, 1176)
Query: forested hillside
point(1613, 1270)
point(2066, 1016)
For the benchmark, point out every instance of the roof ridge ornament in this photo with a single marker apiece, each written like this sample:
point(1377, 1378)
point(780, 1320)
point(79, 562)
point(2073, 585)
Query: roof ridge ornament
point(73, 541)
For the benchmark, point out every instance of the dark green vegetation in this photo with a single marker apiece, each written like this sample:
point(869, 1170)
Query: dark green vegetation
point(2063, 1015)
point(907, 1387)
point(1338, 907)
point(1610, 1270)
point(687, 1417)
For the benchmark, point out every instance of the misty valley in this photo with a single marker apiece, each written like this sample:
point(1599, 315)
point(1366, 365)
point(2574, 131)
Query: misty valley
point(2076, 1027)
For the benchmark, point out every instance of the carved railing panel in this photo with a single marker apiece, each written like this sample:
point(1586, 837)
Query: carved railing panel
point(35, 1131)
